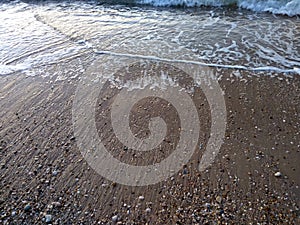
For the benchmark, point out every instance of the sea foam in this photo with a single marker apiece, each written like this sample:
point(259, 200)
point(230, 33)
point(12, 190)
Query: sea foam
point(286, 7)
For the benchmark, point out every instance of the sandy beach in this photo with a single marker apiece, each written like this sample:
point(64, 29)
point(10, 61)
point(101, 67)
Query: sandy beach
point(254, 178)
point(65, 67)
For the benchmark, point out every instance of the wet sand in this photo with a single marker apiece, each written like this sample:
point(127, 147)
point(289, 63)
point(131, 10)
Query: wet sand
point(44, 176)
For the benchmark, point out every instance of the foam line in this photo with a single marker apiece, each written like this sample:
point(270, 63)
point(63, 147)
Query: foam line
point(239, 67)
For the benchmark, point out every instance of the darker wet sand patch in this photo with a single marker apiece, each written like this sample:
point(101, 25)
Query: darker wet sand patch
point(43, 172)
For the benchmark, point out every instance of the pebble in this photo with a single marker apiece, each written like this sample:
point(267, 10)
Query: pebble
point(27, 208)
point(72, 138)
point(185, 171)
point(219, 199)
point(48, 218)
point(141, 198)
point(114, 218)
point(148, 210)
point(55, 172)
point(56, 204)
point(207, 206)
point(277, 174)
point(221, 211)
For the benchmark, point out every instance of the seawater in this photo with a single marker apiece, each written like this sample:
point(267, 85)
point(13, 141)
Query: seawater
point(34, 34)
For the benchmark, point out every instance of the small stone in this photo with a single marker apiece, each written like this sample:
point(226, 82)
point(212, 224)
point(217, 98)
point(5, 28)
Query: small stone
point(277, 174)
point(185, 171)
point(56, 204)
point(148, 210)
point(48, 218)
point(207, 205)
point(219, 199)
point(221, 211)
point(72, 138)
point(141, 198)
point(114, 218)
point(54, 173)
point(27, 208)
point(13, 213)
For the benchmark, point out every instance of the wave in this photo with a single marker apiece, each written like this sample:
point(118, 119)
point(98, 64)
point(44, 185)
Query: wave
point(285, 7)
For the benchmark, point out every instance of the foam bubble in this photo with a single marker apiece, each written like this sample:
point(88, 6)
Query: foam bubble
point(291, 7)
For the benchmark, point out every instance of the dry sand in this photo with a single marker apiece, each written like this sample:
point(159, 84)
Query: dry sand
point(44, 177)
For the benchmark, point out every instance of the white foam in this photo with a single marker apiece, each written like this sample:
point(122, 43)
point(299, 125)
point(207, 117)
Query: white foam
point(291, 8)
point(238, 67)
point(189, 3)
point(162, 82)
point(8, 69)
point(287, 7)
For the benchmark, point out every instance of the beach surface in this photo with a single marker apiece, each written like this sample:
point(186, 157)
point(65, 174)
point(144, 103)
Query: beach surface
point(65, 68)
point(254, 178)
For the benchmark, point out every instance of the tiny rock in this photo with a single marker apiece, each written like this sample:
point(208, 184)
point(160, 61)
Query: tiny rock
point(72, 138)
point(27, 208)
point(148, 210)
point(207, 205)
point(55, 172)
point(277, 174)
point(114, 218)
point(219, 199)
point(48, 218)
point(56, 204)
point(185, 171)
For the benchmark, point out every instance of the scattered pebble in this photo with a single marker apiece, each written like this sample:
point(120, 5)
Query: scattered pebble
point(72, 138)
point(56, 204)
point(48, 218)
point(185, 171)
point(114, 218)
point(219, 199)
point(277, 174)
point(27, 208)
point(141, 198)
point(148, 210)
point(207, 205)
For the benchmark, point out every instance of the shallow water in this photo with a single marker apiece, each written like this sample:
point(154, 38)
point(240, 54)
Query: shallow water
point(34, 35)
